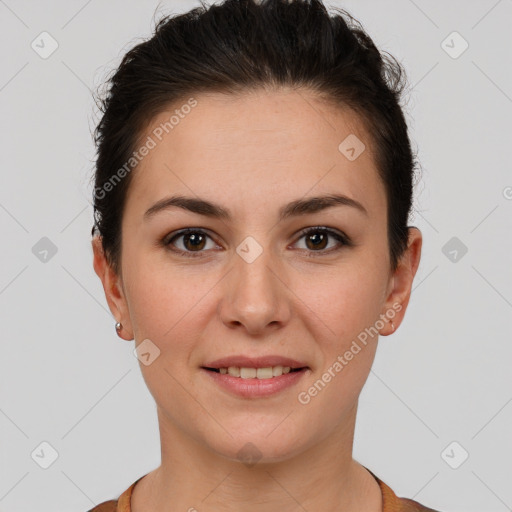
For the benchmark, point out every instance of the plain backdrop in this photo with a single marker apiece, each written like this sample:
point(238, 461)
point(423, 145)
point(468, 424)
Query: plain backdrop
point(435, 416)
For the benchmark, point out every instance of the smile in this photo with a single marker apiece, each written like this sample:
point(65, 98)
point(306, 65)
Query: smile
point(248, 382)
point(258, 373)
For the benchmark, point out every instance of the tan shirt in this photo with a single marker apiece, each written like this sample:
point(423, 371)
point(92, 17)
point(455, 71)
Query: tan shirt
point(391, 502)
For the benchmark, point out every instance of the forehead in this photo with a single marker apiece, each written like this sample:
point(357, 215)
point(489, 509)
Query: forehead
point(255, 145)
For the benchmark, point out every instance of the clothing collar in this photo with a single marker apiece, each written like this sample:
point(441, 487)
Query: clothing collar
point(390, 501)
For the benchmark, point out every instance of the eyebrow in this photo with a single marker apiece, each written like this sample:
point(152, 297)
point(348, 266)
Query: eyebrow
point(293, 209)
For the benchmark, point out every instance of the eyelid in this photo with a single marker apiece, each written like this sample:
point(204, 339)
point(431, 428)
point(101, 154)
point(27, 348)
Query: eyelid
point(326, 229)
point(342, 239)
point(340, 236)
point(166, 241)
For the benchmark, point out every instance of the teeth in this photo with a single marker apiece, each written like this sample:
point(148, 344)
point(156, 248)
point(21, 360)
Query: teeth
point(264, 373)
point(259, 373)
point(234, 371)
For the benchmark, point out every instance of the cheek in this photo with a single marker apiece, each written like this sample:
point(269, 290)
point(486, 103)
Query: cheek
point(168, 305)
point(342, 309)
point(343, 302)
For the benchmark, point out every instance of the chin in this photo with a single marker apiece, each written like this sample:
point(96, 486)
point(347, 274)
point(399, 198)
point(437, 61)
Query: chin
point(253, 445)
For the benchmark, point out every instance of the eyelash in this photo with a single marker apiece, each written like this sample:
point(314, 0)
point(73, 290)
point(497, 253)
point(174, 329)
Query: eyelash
point(340, 237)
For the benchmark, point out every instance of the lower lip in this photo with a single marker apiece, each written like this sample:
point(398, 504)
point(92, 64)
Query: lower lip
point(255, 388)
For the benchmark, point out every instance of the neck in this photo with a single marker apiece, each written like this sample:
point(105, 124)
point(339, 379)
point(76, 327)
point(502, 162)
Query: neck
point(193, 478)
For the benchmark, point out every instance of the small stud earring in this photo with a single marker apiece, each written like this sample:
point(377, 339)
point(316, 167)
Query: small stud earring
point(118, 327)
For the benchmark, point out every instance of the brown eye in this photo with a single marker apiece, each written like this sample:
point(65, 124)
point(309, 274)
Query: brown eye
point(317, 240)
point(192, 241)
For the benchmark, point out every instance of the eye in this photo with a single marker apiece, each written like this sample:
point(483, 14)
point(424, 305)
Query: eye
point(194, 240)
point(316, 240)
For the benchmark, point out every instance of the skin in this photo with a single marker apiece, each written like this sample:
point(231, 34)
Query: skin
point(240, 152)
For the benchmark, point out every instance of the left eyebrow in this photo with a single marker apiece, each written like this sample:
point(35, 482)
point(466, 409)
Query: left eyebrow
point(295, 208)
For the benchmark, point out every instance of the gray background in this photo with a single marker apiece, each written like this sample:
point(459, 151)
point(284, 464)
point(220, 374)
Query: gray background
point(444, 376)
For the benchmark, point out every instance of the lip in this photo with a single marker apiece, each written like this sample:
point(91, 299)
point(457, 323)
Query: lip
point(254, 362)
point(254, 387)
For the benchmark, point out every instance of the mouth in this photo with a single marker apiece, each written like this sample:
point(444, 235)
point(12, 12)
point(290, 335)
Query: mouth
point(255, 383)
point(268, 372)
point(255, 377)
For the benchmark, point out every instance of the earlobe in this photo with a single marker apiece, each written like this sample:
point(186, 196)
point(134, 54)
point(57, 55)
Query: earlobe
point(402, 280)
point(112, 288)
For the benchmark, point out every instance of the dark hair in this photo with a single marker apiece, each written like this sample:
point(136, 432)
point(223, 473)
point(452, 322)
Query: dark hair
point(240, 45)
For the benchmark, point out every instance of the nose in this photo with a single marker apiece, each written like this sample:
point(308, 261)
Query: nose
point(255, 296)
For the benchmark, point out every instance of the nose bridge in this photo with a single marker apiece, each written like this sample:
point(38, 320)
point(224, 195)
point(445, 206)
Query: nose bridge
point(254, 275)
point(256, 297)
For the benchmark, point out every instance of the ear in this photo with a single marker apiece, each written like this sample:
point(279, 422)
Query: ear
point(113, 288)
point(400, 284)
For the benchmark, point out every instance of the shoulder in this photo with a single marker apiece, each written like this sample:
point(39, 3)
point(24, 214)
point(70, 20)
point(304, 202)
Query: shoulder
point(393, 503)
point(413, 506)
point(107, 506)
point(122, 504)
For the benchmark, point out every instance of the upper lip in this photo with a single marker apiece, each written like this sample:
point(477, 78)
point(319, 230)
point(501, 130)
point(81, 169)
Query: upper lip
point(254, 362)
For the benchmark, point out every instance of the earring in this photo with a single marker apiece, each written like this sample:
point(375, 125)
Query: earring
point(118, 327)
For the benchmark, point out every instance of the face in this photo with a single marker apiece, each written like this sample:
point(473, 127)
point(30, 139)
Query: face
point(265, 278)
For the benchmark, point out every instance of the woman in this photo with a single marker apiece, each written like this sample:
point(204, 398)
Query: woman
point(253, 184)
